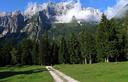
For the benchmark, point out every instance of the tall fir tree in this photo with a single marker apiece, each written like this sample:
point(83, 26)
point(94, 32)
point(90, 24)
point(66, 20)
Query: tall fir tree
point(44, 50)
point(63, 52)
point(113, 40)
point(125, 35)
point(13, 56)
point(26, 53)
point(101, 39)
point(87, 45)
point(54, 53)
point(83, 43)
point(74, 50)
point(35, 55)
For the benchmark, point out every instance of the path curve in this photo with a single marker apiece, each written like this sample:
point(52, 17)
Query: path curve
point(59, 76)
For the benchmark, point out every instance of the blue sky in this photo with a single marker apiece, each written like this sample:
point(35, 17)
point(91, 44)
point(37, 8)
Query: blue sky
point(11, 5)
point(99, 4)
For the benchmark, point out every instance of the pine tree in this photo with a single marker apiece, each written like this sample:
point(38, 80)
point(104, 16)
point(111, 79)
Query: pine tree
point(101, 39)
point(114, 42)
point(7, 46)
point(108, 42)
point(35, 53)
point(83, 43)
point(13, 56)
point(87, 45)
point(63, 51)
point(74, 50)
point(124, 27)
point(54, 53)
point(41, 55)
point(5, 57)
point(44, 50)
point(26, 49)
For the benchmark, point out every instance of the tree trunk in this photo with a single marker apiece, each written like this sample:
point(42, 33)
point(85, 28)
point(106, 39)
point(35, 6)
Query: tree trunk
point(116, 59)
point(107, 59)
point(85, 60)
point(90, 59)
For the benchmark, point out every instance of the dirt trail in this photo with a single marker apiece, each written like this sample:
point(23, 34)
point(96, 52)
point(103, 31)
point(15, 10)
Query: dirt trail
point(59, 76)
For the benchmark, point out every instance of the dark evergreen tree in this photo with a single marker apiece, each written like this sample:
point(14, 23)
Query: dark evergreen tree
point(26, 53)
point(13, 53)
point(35, 55)
point(101, 39)
point(63, 51)
point(87, 41)
point(7, 46)
point(113, 40)
point(54, 53)
point(44, 50)
point(124, 26)
point(83, 43)
point(74, 50)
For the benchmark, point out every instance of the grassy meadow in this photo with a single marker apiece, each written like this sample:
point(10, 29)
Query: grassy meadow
point(105, 72)
point(102, 72)
point(25, 74)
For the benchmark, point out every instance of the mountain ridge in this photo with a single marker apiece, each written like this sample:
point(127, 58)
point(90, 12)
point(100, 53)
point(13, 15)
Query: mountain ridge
point(38, 18)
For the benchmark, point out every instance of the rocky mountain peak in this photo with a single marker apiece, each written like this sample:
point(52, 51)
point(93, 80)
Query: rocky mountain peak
point(38, 17)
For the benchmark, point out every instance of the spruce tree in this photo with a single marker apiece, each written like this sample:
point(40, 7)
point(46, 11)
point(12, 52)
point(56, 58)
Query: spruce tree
point(83, 43)
point(108, 42)
point(113, 40)
point(44, 50)
point(124, 26)
point(87, 45)
point(26, 52)
point(13, 56)
point(101, 39)
point(63, 51)
point(74, 50)
point(54, 53)
point(35, 53)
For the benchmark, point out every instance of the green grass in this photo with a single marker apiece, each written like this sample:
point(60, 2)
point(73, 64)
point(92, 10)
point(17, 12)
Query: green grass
point(110, 72)
point(25, 74)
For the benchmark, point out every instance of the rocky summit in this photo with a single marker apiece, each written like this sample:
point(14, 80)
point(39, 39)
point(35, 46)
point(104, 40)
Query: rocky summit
point(38, 18)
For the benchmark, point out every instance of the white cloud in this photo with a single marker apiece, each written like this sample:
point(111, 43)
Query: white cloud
point(69, 8)
point(2, 14)
point(33, 8)
point(117, 10)
point(86, 14)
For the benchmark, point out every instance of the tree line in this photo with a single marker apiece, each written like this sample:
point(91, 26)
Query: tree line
point(107, 43)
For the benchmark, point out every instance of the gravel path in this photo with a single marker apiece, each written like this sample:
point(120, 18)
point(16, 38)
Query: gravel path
point(59, 76)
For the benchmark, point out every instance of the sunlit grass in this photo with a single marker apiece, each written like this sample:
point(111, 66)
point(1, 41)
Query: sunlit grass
point(106, 72)
point(25, 74)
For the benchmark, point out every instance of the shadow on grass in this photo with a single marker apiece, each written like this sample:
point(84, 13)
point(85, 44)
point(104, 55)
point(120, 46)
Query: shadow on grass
point(13, 73)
